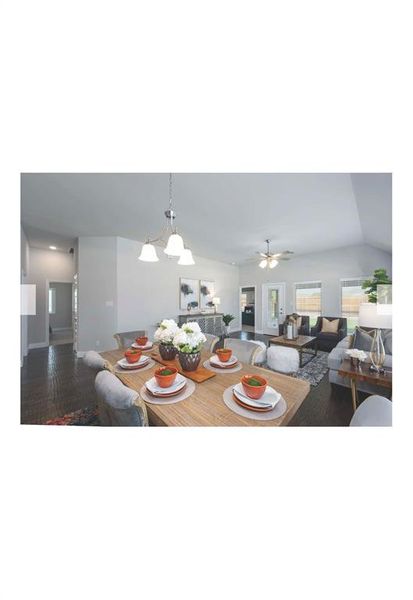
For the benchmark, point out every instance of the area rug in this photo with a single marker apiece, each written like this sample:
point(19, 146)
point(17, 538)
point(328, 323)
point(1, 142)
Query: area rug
point(83, 416)
point(313, 371)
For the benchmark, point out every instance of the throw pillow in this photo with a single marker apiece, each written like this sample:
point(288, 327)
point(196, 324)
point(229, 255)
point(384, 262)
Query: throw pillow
point(330, 326)
point(362, 340)
point(388, 341)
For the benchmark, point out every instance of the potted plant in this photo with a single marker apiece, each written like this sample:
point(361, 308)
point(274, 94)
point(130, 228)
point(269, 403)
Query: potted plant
point(380, 277)
point(164, 335)
point(227, 320)
point(188, 342)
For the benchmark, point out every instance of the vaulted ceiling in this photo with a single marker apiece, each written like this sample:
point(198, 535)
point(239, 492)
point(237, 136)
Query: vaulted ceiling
point(221, 216)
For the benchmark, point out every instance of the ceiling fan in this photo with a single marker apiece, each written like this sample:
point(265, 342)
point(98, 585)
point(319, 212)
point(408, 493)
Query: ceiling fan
point(270, 260)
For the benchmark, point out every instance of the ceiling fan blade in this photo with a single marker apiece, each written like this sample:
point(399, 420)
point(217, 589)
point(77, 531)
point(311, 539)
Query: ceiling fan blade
point(261, 254)
point(283, 258)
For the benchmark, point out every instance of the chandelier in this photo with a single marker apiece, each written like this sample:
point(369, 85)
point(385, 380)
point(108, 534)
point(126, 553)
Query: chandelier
point(174, 246)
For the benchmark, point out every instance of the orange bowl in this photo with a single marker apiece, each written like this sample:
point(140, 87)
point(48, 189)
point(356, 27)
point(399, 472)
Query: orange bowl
point(254, 390)
point(224, 354)
point(165, 376)
point(141, 341)
point(132, 355)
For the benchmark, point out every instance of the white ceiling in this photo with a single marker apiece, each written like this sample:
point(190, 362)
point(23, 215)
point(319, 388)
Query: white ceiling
point(222, 216)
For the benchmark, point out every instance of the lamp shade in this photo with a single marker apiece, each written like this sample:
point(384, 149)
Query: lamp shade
point(186, 258)
point(273, 263)
point(148, 253)
point(263, 263)
point(216, 301)
point(371, 315)
point(175, 245)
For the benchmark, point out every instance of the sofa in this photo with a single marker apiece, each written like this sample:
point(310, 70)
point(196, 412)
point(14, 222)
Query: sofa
point(328, 341)
point(305, 324)
point(338, 353)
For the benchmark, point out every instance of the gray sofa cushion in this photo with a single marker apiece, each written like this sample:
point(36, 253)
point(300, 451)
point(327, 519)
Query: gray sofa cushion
point(362, 340)
point(388, 342)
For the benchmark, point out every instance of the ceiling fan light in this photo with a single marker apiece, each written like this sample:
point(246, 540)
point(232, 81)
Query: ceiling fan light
point(148, 253)
point(186, 258)
point(273, 263)
point(175, 245)
point(263, 263)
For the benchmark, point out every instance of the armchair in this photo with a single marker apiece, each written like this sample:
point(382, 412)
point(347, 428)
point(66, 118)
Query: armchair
point(328, 341)
point(305, 325)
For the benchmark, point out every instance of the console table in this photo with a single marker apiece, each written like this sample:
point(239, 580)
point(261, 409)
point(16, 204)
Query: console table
point(209, 323)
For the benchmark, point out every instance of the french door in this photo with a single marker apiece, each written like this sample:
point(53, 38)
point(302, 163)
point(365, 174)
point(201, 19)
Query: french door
point(273, 307)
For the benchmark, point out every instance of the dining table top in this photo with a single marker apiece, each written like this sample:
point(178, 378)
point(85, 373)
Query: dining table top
point(206, 407)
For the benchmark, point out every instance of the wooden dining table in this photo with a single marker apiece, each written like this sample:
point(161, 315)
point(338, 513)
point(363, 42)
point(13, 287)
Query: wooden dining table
point(206, 407)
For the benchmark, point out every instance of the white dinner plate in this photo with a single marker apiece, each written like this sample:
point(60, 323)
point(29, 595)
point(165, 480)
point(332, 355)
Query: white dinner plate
point(177, 385)
point(269, 398)
point(123, 363)
point(214, 360)
point(148, 346)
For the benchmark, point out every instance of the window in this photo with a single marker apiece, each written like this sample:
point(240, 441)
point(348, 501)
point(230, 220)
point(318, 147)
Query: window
point(352, 295)
point(52, 301)
point(308, 300)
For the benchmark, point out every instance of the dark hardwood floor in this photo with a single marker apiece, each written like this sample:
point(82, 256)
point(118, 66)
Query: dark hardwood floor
point(54, 383)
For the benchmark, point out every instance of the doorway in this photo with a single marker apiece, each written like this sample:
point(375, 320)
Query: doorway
point(60, 312)
point(273, 307)
point(247, 308)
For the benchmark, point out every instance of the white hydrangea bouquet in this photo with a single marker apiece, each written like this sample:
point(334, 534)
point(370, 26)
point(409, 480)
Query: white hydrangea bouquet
point(189, 338)
point(164, 335)
point(356, 354)
point(166, 331)
point(188, 342)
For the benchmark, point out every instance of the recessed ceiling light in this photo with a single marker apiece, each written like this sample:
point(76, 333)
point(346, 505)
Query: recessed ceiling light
point(52, 247)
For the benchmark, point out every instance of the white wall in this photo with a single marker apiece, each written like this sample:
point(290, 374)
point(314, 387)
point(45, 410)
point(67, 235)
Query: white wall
point(327, 267)
point(97, 293)
point(24, 262)
point(62, 318)
point(139, 294)
point(149, 292)
point(45, 265)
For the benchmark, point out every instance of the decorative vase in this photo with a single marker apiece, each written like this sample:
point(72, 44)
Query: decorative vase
point(189, 361)
point(167, 351)
point(377, 353)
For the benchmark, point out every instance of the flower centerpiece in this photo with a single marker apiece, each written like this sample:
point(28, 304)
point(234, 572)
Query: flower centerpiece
point(356, 356)
point(188, 341)
point(164, 335)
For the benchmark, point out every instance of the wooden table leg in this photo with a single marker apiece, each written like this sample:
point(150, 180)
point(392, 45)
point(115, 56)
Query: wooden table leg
point(354, 393)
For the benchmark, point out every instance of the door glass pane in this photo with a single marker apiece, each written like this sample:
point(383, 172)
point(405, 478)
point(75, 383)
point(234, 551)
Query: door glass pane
point(272, 304)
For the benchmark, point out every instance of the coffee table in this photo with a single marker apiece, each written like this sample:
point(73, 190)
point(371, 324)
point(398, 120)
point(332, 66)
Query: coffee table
point(301, 343)
point(363, 373)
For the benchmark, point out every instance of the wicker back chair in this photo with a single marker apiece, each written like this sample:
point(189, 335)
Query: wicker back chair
point(126, 339)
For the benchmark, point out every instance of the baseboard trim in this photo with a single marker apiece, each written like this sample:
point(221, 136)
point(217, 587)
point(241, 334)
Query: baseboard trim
point(61, 329)
point(38, 345)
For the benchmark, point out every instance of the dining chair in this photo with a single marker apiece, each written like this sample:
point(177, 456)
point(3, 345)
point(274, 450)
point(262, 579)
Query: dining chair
point(245, 351)
point(120, 406)
point(126, 339)
point(375, 411)
point(94, 361)
point(211, 342)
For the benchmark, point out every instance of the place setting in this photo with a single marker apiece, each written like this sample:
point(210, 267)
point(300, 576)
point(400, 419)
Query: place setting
point(133, 360)
point(253, 398)
point(142, 343)
point(167, 386)
point(223, 361)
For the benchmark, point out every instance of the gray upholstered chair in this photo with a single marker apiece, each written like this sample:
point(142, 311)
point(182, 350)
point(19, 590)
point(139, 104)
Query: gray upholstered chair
point(94, 361)
point(126, 339)
point(120, 406)
point(328, 341)
point(305, 324)
point(375, 411)
point(211, 342)
point(245, 351)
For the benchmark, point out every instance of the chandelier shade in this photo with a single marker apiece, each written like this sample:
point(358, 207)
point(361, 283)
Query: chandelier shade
point(186, 258)
point(263, 263)
point(175, 245)
point(148, 253)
